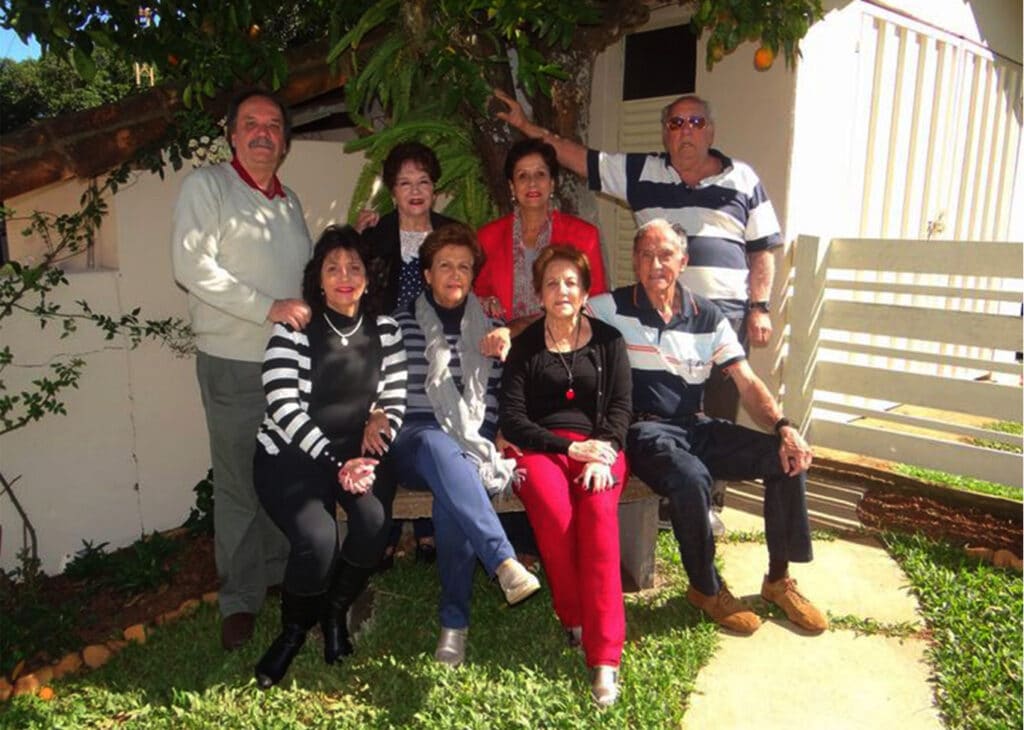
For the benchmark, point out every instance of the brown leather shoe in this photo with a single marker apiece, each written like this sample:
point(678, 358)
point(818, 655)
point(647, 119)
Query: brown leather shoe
point(236, 629)
point(725, 610)
point(784, 594)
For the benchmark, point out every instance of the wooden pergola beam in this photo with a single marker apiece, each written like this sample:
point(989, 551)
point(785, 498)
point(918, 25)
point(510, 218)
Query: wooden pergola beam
point(91, 142)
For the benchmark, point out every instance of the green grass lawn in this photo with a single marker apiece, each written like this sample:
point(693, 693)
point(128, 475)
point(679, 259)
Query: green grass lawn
point(956, 481)
point(519, 672)
point(974, 614)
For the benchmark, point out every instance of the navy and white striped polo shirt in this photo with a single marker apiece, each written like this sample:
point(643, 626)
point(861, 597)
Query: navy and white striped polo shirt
point(726, 216)
point(670, 361)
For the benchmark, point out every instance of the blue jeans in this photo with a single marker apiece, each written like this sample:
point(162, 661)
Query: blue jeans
point(680, 460)
point(466, 527)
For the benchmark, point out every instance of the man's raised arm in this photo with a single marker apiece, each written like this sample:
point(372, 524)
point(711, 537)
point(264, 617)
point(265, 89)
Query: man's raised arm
point(571, 155)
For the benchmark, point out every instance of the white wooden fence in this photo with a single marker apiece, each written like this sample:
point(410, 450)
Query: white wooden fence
point(949, 359)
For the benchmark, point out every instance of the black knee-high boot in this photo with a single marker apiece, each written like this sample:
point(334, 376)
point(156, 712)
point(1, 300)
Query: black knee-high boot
point(298, 615)
point(349, 581)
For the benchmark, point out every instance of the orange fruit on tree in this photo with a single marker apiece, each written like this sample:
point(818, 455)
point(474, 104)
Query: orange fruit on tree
point(764, 57)
point(45, 694)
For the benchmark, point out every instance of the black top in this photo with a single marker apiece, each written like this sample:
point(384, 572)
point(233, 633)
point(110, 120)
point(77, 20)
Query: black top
point(533, 398)
point(344, 378)
point(553, 407)
point(385, 242)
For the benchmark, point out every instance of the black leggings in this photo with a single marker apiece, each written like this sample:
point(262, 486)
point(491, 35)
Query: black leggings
point(301, 499)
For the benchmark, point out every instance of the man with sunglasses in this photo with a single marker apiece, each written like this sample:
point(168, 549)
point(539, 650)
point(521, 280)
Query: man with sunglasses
point(720, 203)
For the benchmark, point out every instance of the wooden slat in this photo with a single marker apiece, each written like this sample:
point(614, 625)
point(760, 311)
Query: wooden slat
point(411, 504)
point(936, 325)
point(938, 358)
point(946, 427)
point(991, 400)
point(995, 466)
point(978, 258)
point(949, 292)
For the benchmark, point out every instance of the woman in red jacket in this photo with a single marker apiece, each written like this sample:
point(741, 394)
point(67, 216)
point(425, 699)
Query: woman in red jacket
point(512, 243)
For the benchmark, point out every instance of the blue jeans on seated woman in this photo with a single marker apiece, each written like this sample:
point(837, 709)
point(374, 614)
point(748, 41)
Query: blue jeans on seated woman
point(466, 528)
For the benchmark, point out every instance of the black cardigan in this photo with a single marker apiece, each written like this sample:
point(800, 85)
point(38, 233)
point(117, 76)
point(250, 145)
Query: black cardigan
point(607, 351)
point(385, 244)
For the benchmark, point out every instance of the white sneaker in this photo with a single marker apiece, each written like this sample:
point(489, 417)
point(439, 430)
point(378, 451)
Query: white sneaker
point(717, 526)
point(516, 581)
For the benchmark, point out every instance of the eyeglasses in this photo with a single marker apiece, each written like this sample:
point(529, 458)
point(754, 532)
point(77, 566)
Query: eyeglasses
point(694, 122)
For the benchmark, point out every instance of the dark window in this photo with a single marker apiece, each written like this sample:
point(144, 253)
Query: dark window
point(659, 63)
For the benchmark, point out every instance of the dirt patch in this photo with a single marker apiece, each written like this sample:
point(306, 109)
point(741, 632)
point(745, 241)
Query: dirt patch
point(107, 612)
point(957, 524)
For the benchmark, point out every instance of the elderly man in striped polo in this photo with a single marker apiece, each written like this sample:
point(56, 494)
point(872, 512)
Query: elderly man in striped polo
point(674, 338)
point(718, 201)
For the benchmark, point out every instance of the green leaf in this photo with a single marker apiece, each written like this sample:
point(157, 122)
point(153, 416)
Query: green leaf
point(83, 63)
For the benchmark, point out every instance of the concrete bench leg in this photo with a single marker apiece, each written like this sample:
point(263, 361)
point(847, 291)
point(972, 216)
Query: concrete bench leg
point(638, 531)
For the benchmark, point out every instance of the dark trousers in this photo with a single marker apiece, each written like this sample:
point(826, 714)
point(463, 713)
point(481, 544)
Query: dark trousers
point(301, 498)
point(722, 400)
point(680, 460)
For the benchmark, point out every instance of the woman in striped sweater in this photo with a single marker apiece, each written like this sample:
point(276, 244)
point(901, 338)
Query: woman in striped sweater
point(335, 399)
point(447, 442)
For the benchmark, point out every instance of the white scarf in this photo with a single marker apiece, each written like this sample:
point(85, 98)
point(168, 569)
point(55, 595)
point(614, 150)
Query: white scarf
point(461, 415)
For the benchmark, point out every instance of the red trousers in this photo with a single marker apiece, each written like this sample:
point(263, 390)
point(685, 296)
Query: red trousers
point(577, 533)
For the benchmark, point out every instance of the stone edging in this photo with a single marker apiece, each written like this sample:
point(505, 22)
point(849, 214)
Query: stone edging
point(92, 656)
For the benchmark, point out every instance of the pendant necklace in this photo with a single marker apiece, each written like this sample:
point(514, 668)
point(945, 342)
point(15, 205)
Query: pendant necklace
point(570, 392)
point(343, 335)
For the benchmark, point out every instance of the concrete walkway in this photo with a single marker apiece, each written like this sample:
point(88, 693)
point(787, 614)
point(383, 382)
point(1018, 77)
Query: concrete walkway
point(782, 677)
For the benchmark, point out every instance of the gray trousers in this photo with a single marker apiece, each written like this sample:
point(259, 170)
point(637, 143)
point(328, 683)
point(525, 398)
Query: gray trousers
point(249, 549)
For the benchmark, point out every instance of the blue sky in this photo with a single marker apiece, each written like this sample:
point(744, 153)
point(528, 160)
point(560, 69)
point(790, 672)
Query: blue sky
point(12, 47)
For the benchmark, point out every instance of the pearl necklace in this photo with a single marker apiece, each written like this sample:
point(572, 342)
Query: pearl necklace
point(343, 335)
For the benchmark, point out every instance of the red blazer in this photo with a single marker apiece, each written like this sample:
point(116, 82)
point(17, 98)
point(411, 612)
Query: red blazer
point(495, 279)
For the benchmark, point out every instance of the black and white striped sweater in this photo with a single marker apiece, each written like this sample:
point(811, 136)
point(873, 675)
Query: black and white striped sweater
point(288, 384)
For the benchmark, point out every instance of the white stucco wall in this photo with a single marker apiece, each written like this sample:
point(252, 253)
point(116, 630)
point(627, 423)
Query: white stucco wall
point(125, 458)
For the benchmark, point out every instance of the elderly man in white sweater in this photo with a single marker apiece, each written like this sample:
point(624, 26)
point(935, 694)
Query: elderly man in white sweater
point(239, 245)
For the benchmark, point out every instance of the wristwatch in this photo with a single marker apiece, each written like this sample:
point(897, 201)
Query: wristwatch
point(781, 424)
point(762, 306)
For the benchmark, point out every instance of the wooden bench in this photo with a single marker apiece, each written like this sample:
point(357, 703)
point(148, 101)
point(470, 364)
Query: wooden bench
point(638, 525)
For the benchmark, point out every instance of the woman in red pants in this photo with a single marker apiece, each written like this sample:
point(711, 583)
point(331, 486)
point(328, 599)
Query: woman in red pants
point(565, 405)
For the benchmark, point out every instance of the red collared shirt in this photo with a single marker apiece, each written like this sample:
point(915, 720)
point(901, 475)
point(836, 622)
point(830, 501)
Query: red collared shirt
point(275, 189)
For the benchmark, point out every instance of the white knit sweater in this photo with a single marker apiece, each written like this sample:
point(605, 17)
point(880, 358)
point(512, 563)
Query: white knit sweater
point(236, 251)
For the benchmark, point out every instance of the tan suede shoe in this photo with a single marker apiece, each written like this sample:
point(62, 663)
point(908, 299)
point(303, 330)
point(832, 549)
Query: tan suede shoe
point(725, 610)
point(784, 594)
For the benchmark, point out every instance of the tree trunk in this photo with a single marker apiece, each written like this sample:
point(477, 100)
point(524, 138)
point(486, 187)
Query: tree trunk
point(566, 112)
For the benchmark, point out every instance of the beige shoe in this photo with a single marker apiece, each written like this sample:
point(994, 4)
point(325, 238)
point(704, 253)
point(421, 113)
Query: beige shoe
point(784, 594)
point(725, 610)
point(604, 685)
point(451, 646)
point(516, 581)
